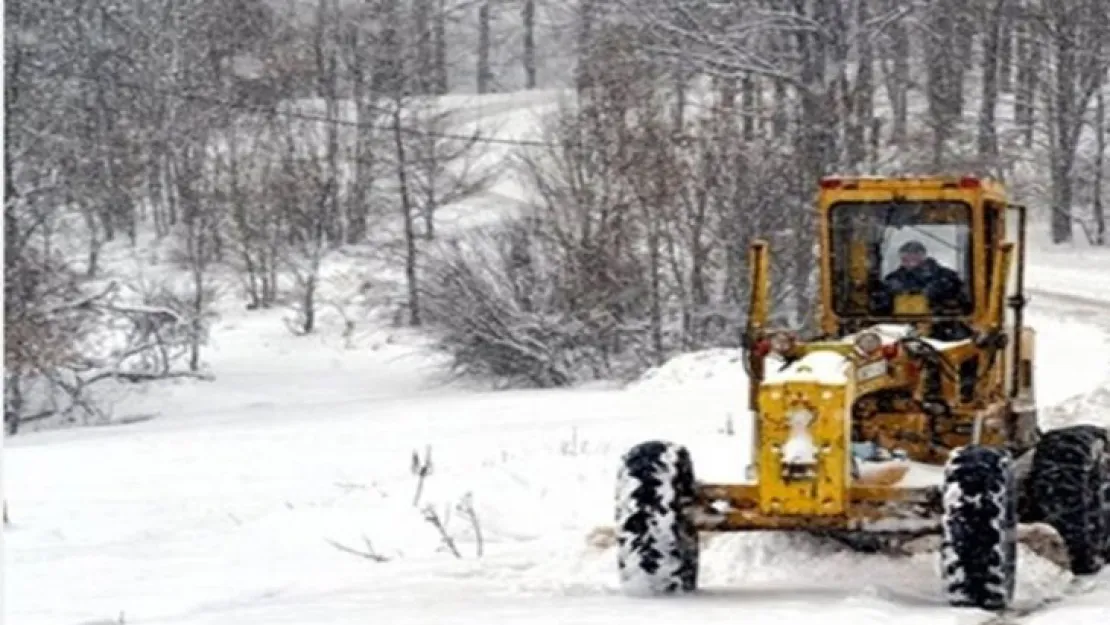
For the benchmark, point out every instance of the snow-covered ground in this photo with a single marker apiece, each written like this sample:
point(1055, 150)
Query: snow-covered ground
point(231, 501)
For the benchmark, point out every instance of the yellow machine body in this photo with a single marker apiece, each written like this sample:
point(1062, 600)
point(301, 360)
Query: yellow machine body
point(825, 393)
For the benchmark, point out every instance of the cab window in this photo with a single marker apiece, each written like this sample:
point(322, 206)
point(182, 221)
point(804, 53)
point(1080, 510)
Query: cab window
point(901, 258)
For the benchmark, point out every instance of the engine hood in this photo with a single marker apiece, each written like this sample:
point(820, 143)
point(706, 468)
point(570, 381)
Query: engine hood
point(828, 367)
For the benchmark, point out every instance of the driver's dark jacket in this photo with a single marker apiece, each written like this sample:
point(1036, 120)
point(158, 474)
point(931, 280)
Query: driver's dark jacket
point(940, 285)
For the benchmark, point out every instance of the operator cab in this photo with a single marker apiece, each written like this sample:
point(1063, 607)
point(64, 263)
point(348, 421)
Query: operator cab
point(902, 251)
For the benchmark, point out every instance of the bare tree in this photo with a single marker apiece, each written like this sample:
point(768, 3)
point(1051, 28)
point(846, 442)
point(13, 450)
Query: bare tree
point(1078, 34)
point(256, 227)
point(303, 189)
point(408, 218)
point(199, 222)
point(635, 249)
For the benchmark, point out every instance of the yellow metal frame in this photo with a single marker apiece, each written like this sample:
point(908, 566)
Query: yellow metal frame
point(866, 504)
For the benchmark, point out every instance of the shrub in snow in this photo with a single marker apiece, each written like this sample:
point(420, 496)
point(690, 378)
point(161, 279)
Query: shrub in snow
point(636, 248)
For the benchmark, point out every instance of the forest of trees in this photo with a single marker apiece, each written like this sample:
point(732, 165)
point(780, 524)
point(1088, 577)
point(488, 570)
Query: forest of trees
point(257, 137)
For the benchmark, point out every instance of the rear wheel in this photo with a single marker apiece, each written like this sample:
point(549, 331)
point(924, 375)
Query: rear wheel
point(1069, 487)
point(979, 528)
point(657, 544)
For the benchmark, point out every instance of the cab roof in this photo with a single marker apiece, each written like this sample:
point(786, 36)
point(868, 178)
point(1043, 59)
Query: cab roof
point(908, 183)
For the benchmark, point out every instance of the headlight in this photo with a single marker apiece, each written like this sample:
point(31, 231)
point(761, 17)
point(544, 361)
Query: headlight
point(868, 342)
point(782, 342)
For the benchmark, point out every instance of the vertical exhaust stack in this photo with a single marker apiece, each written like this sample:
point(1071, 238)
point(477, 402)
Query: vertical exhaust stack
point(759, 263)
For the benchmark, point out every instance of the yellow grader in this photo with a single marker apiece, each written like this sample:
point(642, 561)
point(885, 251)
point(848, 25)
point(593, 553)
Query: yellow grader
point(911, 412)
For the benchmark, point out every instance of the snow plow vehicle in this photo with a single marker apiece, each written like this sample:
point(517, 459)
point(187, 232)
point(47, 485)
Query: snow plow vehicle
point(911, 411)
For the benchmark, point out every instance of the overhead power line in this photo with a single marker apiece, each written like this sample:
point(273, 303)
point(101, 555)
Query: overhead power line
point(323, 119)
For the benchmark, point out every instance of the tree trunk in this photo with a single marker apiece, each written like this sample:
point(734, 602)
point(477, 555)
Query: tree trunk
point(13, 405)
point(944, 100)
point(358, 197)
point(585, 43)
point(1028, 67)
point(1006, 47)
point(389, 73)
point(897, 83)
point(333, 220)
point(485, 75)
point(780, 118)
point(1100, 155)
point(407, 218)
point(681, 84)
point(655, 270)
point(818, 152)
point(748, 94)
point(327, 67)
point(1066, 116)
point(308, 304)
point(92, 258)
point(987, 136)
point(1061, 199)
point(528, 13)
point(197, 311)
point(423, 54)
point(960, 62)
point(862, 95)
point(440, 47)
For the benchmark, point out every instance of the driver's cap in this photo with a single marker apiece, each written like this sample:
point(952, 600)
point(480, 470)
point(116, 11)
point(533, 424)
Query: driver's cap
point(912, 247)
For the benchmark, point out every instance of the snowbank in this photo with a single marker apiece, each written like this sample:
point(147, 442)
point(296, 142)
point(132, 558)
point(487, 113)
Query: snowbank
point(716, 370)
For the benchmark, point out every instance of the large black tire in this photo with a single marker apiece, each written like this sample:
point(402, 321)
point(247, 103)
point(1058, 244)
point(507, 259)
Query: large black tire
point(657, 544)
point(1069, 489)
point(979, 528)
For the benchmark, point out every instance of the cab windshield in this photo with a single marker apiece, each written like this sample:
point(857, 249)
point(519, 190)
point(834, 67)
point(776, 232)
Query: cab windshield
point(884, 251)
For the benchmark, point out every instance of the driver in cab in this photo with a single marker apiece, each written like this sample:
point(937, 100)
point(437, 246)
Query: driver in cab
point(921, 274)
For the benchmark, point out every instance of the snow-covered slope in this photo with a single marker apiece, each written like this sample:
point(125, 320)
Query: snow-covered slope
point(220, 509)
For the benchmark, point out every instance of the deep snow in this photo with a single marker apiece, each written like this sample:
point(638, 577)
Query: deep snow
point(218, 508)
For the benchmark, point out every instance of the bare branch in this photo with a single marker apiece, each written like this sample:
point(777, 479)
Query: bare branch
point(369, 553)
point(431, 516)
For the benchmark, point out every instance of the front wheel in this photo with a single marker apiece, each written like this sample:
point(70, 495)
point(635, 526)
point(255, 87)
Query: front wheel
point(657, 544)
point(979, 528)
